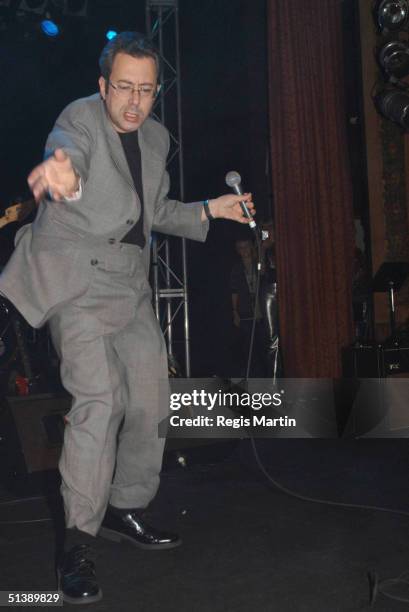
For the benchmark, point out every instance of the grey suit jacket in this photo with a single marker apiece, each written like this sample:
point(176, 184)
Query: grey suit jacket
point(50, 264)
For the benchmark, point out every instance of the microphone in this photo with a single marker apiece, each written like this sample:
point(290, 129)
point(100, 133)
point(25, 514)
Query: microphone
point(233, 180)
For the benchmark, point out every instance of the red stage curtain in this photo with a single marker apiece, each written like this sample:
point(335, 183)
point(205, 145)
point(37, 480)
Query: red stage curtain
point(311, 184)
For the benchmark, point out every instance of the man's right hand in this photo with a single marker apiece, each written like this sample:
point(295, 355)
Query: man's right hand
point(55, 177)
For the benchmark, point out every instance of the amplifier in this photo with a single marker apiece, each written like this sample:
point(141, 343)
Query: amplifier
point(375, 361)
point(362, 361)
point(395, 360)
point(379, 407)
point(32, 431)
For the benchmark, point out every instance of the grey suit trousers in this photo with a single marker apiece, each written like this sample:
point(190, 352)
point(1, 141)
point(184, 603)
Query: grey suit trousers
point(113, 357)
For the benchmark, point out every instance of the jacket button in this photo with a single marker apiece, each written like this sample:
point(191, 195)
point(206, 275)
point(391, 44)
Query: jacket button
point(112, 241)
point(94, 262)
point(129, 222)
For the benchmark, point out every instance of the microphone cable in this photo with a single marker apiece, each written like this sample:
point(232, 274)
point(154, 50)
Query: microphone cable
point(256, 305)
point(375, 584)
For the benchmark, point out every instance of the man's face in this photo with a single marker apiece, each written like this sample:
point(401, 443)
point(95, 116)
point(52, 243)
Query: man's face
point(128, 112)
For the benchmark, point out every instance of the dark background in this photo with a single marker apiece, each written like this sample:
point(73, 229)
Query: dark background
point(224, 96)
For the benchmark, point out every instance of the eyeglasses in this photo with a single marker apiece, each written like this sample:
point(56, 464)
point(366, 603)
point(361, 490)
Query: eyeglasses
point(125, 90)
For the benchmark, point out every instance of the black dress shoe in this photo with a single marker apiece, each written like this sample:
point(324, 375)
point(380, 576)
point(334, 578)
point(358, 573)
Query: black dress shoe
point(130, 526)
point(76, 576)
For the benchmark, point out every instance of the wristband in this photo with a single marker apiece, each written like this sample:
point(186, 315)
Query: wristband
point(207, 210)
point(77, 194)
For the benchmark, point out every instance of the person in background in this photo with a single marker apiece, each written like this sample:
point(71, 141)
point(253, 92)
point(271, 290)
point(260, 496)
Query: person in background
point(243, 285)
point(269, 302)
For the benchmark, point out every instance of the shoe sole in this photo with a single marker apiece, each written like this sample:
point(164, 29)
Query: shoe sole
point(115, 536)
point(74, 600)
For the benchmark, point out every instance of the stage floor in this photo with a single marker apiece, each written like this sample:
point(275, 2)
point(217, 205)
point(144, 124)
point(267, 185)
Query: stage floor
point(246, 545)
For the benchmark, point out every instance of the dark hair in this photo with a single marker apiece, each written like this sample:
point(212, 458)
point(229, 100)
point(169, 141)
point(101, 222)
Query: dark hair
point(132, 43)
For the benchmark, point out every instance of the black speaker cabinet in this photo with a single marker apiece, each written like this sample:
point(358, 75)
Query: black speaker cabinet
point(32, 430)
point(395, 361)
point(380, 406)
point(375, 361)
point(363, 361)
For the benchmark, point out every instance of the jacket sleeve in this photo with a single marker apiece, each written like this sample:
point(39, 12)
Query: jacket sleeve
point(74, 133)
point(178, 218)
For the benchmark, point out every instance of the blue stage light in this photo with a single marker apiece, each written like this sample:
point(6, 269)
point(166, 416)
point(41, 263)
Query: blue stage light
point(50, 28)
point(111, 34)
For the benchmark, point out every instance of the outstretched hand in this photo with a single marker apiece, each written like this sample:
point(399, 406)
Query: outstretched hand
point(54, 176)
point(228, 207)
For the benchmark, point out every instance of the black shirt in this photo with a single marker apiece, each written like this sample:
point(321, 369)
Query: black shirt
point(240, 286)
point(132, 152)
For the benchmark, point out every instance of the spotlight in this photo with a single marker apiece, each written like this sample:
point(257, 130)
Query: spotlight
point(111, 34)
point(394, 58)
point(33, 6)
point(4, 7)
point(77, 8)
point(392, 14)
point(394, 105)
point(50, 28)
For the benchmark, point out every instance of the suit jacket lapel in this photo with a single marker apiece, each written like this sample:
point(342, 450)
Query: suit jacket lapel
point(116, 150)
point(151, 166)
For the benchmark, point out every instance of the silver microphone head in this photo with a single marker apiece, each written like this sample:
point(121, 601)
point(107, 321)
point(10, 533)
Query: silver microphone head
point(233, 179)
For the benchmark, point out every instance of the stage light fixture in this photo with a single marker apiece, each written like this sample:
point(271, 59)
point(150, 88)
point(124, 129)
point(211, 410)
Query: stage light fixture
point(111, 34)
point(4, 6)
point(4, 14)
point(50, 28)
point(392, 14)
point(33, 6)
point(394, 105)
point(394, 58)
point(76, 8)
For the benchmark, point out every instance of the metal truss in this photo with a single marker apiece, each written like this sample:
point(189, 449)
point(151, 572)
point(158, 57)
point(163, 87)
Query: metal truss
point(169, 257)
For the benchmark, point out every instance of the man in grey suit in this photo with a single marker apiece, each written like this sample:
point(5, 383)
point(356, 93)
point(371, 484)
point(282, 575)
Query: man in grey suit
point(82, 265)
